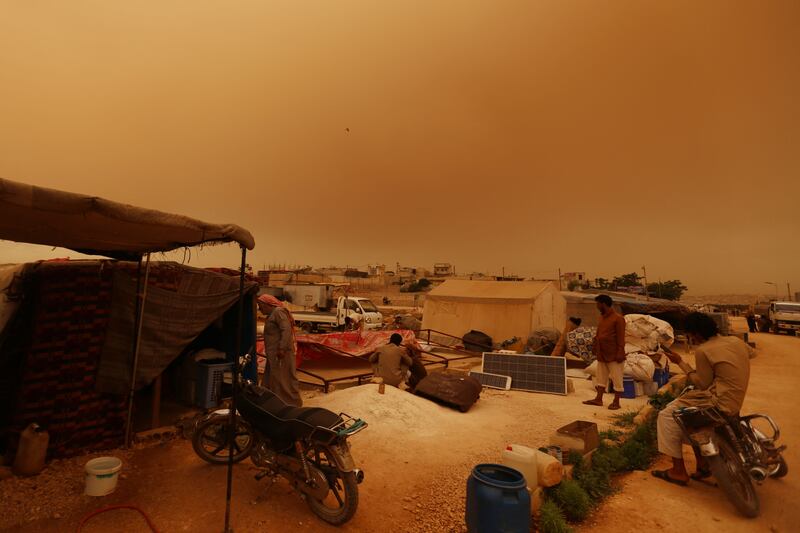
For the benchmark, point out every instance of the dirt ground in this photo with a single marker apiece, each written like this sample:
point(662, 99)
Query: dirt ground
point(415, 473)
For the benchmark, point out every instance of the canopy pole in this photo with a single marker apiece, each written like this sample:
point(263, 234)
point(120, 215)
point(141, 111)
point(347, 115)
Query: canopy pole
point(141, 296)
point(235, 391)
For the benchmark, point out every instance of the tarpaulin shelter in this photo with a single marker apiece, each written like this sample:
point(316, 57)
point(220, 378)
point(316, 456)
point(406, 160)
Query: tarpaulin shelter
point(583, 306)
point(66, 353)
point(501, 309)
point(96, 226)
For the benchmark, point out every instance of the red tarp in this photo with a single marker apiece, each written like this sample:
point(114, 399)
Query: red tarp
point(347, 344)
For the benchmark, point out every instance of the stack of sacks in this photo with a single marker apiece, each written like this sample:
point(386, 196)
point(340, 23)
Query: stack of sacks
point(644, 336)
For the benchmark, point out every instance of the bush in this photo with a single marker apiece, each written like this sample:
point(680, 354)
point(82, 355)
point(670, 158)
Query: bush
point(625, 420)
point(609, 459)
point(660, 400)
point(611, 434)
point(641, 447)
point(551, 519)
point(573, 500)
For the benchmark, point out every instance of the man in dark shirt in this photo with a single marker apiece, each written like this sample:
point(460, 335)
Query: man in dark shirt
point(609, 349)
point(390, 361)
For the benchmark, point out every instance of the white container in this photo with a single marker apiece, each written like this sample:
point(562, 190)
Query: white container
point(650, 388)
point(102, 475)
point(523, 459)
point(638, 387)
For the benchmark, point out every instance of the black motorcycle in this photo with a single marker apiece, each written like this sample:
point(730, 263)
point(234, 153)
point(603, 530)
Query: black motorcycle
point(737, 452)
point(305, 445)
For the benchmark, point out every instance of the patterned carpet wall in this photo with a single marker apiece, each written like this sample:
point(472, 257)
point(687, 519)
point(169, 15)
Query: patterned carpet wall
point(67, 321)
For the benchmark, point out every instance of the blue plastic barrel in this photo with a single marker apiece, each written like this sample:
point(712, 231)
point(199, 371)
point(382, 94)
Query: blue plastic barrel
point(497, 500)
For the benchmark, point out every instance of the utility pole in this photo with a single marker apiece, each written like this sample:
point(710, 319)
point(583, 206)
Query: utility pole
point(789, 291)
point(647, 294)
point(559, 280)
point(776, 288)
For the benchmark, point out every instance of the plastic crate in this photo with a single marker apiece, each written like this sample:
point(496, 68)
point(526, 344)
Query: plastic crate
point(629, 388)
point(661, 375)
point(581, 436)
point(210, 375)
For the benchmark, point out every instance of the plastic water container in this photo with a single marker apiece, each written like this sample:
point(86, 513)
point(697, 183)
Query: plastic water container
point(523, 459)
point(32, 451)
point(102, 475)
point(497, 500)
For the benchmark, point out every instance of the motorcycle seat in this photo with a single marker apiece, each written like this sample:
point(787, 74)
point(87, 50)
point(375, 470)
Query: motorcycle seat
point(272, 416)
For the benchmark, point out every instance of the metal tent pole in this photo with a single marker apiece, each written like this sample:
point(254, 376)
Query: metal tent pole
point(141, 296)
point(234, 393)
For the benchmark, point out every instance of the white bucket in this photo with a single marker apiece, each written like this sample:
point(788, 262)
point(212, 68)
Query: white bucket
point(101, 476)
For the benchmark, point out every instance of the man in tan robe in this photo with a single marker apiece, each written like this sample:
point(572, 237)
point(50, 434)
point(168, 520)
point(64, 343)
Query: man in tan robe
point(720, 380)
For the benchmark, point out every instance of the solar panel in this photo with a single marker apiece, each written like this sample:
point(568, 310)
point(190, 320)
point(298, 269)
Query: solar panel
point(535, 373)
point(494, 381)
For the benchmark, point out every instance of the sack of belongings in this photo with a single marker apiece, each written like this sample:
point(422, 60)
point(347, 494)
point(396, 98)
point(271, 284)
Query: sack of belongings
point(639, 366)
point(542, 341)
point(644, 333)
point(459, 391)
point(579, 342)
point(477, 341)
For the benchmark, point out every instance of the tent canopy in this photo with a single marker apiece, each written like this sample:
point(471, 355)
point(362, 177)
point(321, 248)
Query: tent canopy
point(488, 291)
point(501, 309)
point(96, 226)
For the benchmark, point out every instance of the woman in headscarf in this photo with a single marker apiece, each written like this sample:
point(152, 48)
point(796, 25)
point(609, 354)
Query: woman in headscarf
point(281, 350)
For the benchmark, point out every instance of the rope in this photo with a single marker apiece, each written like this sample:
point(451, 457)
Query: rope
point(112, 508)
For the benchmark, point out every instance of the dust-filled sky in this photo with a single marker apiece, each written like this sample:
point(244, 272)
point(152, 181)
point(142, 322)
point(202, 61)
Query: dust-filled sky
point(530, 135)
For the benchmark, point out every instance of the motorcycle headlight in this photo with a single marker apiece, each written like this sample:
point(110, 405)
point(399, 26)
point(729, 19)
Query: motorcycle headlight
point(369, 320)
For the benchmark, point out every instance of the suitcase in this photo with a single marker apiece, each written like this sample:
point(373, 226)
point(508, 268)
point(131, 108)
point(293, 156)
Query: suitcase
point(477, 341)
point(459, 391)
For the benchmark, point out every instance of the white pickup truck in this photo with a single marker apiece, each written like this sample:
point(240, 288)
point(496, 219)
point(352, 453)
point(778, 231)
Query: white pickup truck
point(785, 316)
point(350, 312)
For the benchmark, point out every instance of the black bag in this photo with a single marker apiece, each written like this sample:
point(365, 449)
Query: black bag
point(459, 391)
point(477, 341)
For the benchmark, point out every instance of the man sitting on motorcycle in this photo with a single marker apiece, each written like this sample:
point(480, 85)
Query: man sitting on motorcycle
point(720, 380)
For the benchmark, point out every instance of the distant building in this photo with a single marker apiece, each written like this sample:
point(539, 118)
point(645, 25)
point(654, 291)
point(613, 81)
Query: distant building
point(441, 270)
point(376, 270)
point(577, 277)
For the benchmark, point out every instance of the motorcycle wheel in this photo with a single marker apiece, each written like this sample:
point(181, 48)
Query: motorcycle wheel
point(780, 470)
point(729, 472)
point(211, 440)
point(341, 502)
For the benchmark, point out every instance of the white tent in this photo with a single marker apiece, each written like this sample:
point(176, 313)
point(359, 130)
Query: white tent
point(501, 309)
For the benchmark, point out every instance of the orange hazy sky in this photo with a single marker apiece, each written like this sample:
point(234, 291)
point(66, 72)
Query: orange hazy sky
point(528, 135)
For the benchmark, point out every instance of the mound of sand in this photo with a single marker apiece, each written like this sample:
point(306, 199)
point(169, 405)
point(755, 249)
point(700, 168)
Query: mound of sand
point(393, 413)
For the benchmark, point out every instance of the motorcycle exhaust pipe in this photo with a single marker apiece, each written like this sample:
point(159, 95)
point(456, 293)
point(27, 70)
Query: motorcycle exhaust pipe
point(359, 475)
point(759, 474)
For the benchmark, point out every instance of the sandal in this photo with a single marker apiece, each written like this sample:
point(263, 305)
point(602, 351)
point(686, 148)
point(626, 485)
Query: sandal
point(614, 407)
point(701, 474)
point(664, 474)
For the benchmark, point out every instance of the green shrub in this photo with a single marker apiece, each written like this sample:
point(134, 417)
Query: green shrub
point(641, 447)
point(625, 420)
point(609, 459)
point(551, 519)
point(660, 400)
point(575, 458)
point(611, 434)
point(573, 500)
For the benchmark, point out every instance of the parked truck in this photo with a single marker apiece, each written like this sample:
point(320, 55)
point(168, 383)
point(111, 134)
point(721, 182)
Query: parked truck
point(350, 312)
point(785, 316)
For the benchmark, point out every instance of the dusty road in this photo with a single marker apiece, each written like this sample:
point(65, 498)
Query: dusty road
point(416, 471)
point(648, 504)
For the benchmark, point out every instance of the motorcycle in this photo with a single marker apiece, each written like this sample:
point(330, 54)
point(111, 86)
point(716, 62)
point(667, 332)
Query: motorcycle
point(307, 446)
point(738, 453)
